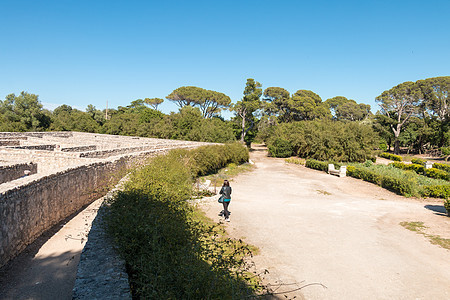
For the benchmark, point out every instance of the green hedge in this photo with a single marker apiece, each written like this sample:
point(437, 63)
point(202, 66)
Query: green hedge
point(418, 161)
point(437, 191)
point(397, 185)
point(419, 169)
point(280, 148)
point(316, 164)
point(444, 167)
point(391, 156)
point(437, 174)
point(169, 251)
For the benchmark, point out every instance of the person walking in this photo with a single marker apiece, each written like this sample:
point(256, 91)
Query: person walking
point(225, 191)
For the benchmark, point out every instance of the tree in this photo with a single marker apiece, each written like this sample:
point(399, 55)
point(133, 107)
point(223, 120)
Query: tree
point(209, 102)
point(153, 102)
point(347, 109)
point(248, 105)
point(307, 105)
point(23, 113)
point(435, 93)
point(399, 104)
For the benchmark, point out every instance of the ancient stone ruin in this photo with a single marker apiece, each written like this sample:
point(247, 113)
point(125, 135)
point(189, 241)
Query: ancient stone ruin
point(47, 176)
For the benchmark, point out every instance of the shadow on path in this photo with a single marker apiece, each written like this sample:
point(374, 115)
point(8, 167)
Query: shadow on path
point(438, 209)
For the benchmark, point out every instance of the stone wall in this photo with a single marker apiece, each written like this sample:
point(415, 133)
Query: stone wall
point(9, 142)
point(15, 171)
point(37, 147)
point(36, 203)
point(79, 148)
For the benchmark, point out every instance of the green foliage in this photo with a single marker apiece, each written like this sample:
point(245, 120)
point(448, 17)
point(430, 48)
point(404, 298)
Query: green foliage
point(418, 161)
point(347, 109)
point(445, 150)
point(280, 148)
point(327, 140)
point(209, 102)
point(437, 191)
point(391, 156)
point(316, 164)
point(419, 169)
point(440, 166)
point(170, 251)
point(23, 113)
point(437, 174)
point(447, 204)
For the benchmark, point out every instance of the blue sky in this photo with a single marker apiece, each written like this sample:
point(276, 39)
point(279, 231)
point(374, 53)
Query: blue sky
point(88, 52)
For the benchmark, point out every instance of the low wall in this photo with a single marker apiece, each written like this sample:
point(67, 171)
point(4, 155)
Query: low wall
point(13, 172)
point(9, 142)
point(36, 203)
point(37, 147)
point(79, 148)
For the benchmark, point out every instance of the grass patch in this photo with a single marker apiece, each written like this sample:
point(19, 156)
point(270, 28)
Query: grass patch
point(419, 227)
point(297, 161)
point(323, 192)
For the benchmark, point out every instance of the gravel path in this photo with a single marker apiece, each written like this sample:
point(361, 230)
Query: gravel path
point(344, 233)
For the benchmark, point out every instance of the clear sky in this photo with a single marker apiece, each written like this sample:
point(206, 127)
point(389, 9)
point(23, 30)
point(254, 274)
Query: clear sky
point(87, 52)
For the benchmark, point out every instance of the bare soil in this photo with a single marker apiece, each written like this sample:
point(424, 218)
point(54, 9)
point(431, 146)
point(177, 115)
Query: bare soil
point(343, 233)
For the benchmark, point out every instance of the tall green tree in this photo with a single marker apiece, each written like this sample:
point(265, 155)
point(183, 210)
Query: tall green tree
point(23, 113)
point(209, 102)
point(400, 103)
point(347, 109)
point(153, 102)
point(436, 98)
point(307, 105)
point(245, 108)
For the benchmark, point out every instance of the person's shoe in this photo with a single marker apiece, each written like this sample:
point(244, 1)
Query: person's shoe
point(227, 219)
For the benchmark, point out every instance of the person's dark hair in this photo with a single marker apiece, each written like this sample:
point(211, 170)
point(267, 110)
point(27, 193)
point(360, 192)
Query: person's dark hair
point(226, 183)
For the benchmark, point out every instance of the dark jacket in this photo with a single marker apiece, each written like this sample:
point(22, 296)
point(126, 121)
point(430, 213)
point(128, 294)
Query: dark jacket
point(226, 192)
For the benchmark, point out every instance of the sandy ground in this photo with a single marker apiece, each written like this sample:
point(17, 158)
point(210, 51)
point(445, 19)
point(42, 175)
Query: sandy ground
point(47, 268)
point(344, 233)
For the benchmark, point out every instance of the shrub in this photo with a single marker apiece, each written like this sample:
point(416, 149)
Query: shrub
point(419, 169)
point(437, 174)
point(170, 253)
point(445, 150)
point(447, 205)
point(327, 140)
point(316, 164)
point(280, 148)
point(418, 161)
point(391, 156)
point(436, 191)
point(444, 167)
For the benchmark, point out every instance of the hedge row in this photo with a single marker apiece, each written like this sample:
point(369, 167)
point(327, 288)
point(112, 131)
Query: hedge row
point(420, 169)
point(418, 161)
point(444, 167)
point(391, 156)
point(170, 253)
point(405, 183)
point(397, 185)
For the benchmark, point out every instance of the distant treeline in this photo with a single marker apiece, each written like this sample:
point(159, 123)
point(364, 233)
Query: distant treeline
point(412, 116)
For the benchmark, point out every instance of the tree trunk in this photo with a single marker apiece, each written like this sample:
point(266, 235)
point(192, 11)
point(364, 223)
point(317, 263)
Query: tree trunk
point(243, 129)
point(396, 146)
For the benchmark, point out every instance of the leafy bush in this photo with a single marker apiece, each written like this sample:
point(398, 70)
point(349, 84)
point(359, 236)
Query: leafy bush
point(437, 191)
point(391, 156)
point(419, 169)
point(447, 205)
point(280, 148)
point(418, 161)
point(327, 140)
point(316, 164)
point(444, 167)
point(169, 251)
point(437, 174)
point(297, 161)
point(445, 150)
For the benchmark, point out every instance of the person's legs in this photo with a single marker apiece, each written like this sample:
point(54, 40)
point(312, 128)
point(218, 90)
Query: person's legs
point(225, 209)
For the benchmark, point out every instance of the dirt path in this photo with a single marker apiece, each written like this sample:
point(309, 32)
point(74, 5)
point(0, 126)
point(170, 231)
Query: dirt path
point(47, 268)
point(341, 232)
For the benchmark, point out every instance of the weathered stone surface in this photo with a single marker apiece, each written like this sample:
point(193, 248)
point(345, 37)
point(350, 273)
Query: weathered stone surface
point(101, 273)
point(17, 170)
